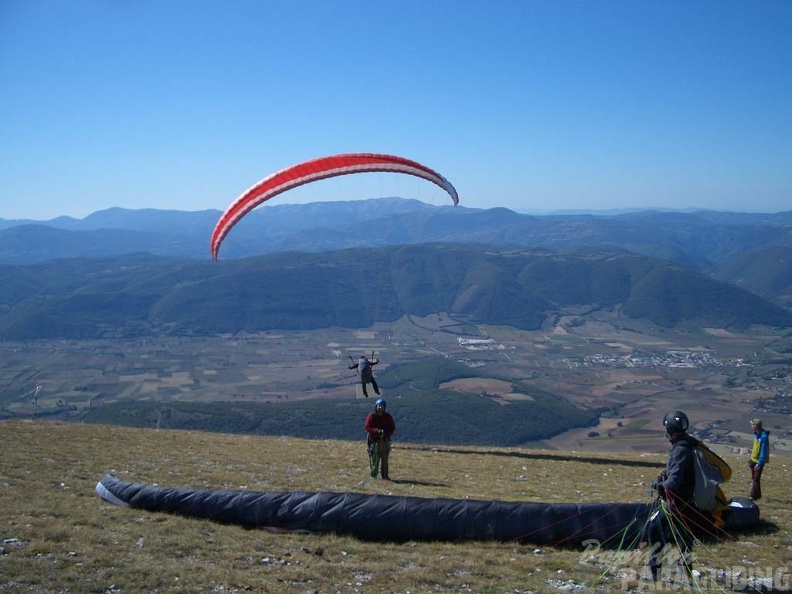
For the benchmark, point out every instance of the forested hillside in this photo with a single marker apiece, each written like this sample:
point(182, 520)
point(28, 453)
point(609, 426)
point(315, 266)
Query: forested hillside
point(139, 295)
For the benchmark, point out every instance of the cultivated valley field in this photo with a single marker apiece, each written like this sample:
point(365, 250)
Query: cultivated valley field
point(630, 371)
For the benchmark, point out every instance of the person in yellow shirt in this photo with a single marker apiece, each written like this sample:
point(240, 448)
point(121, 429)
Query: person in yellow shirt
point(760, 455)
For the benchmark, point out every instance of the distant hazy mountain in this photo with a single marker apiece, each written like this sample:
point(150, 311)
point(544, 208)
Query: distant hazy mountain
point(142, 294)
point(696, 239)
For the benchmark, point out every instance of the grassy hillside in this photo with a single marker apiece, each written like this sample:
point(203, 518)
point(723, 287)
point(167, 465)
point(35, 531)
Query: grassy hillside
point(58, 536)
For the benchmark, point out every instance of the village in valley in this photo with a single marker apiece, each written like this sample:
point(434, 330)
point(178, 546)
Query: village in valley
point(631, 375)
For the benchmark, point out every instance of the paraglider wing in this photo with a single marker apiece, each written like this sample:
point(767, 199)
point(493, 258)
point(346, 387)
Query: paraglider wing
point(314, 170)
point(400, 519)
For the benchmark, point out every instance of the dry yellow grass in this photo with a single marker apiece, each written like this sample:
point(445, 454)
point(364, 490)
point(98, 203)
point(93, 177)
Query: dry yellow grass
point(58, 536)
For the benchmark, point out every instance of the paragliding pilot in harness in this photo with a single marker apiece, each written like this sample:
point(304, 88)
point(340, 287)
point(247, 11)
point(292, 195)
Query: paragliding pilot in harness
point(676, 513)
point(674, 488)
point(379, 429)
point(364, 366)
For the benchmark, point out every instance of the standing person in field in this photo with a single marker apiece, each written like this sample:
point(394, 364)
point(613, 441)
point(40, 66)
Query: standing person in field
point(379, 429)
point(364, 366)
point(677, 513)
point(760, 455)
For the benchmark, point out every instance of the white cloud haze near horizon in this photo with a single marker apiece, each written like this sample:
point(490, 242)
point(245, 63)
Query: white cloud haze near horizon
point(534, 106)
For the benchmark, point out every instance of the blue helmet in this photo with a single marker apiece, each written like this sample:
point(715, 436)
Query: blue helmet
point(381, 402)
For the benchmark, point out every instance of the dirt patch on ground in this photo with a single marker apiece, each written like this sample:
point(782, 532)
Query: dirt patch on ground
point(479, 385)
point(498, 390)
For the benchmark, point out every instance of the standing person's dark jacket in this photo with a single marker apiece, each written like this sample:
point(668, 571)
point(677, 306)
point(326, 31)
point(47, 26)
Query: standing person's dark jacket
point(680, 475)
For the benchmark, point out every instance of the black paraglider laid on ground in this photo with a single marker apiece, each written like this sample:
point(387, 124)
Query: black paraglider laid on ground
point(400, 519)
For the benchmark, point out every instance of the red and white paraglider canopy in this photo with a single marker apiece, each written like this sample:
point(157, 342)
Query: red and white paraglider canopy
point(314, 170)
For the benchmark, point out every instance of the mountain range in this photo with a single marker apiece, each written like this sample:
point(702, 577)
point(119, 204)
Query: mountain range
point(698, 239)
point(134, 272)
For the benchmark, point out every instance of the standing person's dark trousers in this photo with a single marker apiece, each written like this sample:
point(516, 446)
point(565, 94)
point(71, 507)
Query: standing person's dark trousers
point(756, 480)
point(671, 526)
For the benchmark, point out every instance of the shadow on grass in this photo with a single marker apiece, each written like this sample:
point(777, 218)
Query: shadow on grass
point(539, 456)
point(761, 528)
point(404, 481)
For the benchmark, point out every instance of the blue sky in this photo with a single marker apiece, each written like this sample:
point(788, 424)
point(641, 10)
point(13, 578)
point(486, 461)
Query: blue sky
point(529, 105)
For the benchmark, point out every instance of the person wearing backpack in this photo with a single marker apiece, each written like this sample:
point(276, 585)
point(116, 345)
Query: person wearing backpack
point(364, 366)
point(672, 522)
point(379, 427)
point(760, 454)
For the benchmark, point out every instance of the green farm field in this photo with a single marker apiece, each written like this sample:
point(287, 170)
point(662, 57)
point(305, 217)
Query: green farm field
point(631, 373)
